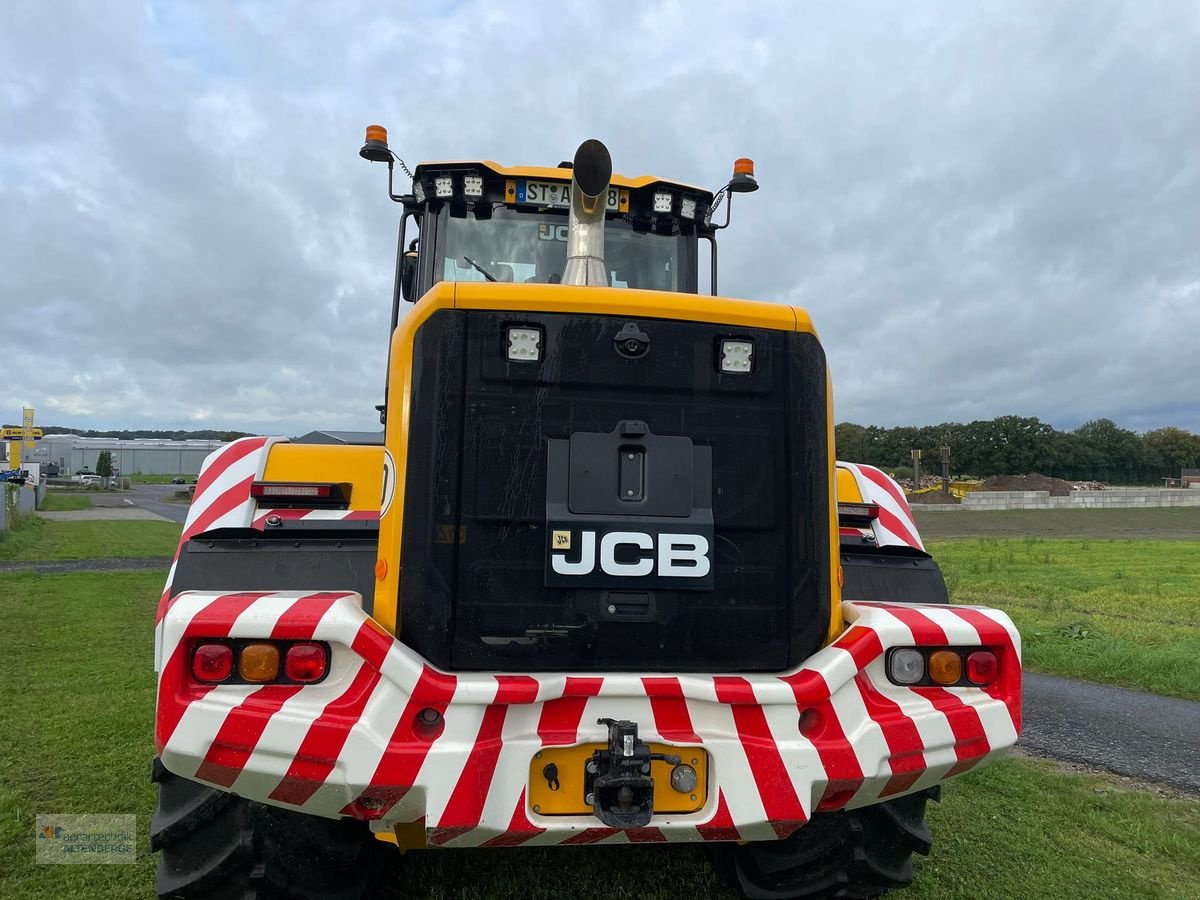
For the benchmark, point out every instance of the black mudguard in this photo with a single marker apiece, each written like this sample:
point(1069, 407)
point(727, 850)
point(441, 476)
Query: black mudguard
point(891, 576)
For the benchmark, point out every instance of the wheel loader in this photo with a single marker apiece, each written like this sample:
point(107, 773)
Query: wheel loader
point(601, 582)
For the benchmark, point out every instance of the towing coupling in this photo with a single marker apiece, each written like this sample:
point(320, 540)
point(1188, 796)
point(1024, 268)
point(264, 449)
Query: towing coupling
point(617, 782)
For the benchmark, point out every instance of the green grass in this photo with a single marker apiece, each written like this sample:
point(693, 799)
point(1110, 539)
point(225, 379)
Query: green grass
point(44, 540)
point(76, 713)
point(1115, 611)
point(64, 501)
point(155, 479)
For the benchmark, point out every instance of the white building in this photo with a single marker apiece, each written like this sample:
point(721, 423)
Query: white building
point(142, 456)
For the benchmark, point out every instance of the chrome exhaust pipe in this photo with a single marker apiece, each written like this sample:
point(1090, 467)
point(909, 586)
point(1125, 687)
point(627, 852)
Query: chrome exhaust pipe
point(591, 172)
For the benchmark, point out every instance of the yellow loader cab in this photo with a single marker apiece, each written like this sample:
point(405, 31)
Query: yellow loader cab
point(603, 582)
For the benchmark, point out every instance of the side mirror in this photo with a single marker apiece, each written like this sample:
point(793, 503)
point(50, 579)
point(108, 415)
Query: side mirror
point(408, 276)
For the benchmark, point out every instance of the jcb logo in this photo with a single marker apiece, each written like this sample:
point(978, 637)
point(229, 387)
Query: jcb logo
point(633, 554)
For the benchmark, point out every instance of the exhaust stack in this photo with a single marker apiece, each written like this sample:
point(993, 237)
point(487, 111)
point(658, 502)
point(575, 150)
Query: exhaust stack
point(585, 227)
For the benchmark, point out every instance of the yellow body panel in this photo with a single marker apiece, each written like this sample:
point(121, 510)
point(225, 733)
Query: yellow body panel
point(568, 799)
point(628, 302)
point(361, 466)
point(847, 487)
point(561, 298)
point(399, 394)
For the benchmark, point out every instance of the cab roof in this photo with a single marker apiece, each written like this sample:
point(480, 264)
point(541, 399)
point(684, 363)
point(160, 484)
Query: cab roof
point(556, 174)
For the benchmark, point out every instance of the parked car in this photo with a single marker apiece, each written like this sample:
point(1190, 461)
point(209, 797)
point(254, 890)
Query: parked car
point(178, 481)
point(89, 479)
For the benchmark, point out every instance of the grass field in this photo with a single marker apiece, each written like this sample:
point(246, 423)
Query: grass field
point(77, 701)
point(76, 707)
point(44, 540)
point(156, 479)
point(64, 501)
point(1116, 611)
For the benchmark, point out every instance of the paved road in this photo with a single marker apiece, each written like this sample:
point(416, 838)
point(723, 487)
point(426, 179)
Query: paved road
point(1140, 735)
point(152, 498)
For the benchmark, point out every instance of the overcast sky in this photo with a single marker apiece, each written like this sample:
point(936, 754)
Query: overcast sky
point(988, 208)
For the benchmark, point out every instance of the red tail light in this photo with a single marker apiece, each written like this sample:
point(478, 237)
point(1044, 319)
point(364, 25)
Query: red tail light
point(982, 667)
point(306, 663)
point(212, 662)
point(857, 513)
point(301, 493)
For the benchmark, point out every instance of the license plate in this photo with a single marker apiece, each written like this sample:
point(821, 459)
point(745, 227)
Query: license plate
point(557, 195)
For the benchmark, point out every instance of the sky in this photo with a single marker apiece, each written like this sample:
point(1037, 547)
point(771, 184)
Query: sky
point(988, 208)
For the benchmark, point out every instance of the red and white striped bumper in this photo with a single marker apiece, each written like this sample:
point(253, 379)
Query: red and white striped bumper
point(352, 746)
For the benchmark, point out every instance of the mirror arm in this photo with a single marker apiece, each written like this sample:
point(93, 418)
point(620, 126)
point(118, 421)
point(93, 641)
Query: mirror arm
point(408, 200)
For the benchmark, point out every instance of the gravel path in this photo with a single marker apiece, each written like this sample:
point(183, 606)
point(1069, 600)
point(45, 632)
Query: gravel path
point(1140, 735)
point(110, 513)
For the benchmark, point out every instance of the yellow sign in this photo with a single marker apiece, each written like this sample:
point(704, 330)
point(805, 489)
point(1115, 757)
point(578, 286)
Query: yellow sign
point(26, 435)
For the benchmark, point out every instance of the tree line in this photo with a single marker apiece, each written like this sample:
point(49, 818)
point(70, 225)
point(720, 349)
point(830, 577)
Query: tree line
point(147, 433)
point(1099, 450)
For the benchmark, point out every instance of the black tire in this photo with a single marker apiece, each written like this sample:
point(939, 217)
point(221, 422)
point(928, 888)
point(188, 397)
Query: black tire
point(213, 844)
point(861, 853)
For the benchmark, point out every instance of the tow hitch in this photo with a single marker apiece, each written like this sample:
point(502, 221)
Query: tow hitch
point(617, 781)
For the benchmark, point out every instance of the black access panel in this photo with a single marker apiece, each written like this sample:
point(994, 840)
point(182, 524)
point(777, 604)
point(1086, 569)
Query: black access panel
point(629, 509)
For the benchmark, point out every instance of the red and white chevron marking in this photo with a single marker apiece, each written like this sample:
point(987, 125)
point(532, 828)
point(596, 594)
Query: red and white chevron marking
point(895, 525)
point(834, 733)
point(222, 500)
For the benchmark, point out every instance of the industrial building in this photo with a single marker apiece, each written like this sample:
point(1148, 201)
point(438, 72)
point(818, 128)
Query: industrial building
point(143, 456)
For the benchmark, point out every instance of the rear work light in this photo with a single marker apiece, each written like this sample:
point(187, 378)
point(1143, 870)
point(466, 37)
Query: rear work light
point(301, 493)
point(259, 662)
point(736, 357)
point(942, 667)
point(473, 185)
point(857, 513)
point(524, 343)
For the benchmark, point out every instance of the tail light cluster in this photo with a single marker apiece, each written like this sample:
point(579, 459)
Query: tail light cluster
point(945, 667)
point(259, 662)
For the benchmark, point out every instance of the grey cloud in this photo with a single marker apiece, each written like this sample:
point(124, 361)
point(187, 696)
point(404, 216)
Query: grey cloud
point(988, 209)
